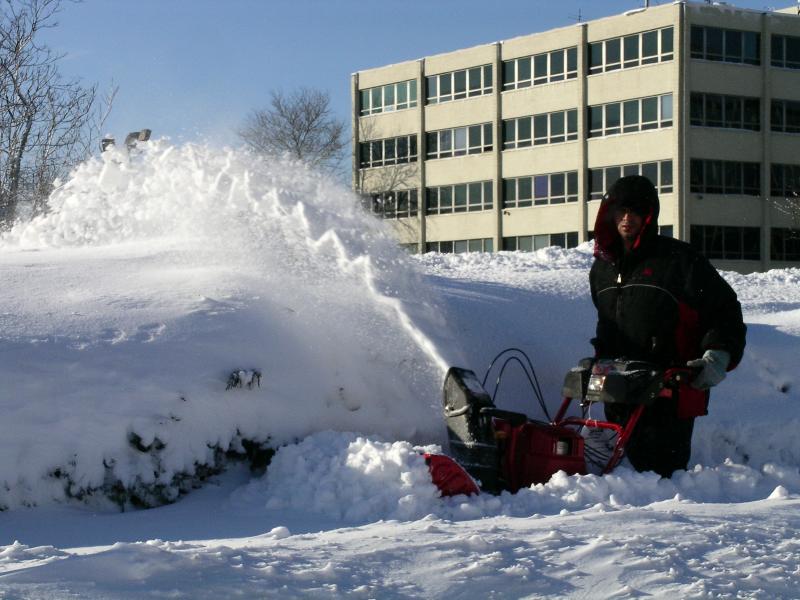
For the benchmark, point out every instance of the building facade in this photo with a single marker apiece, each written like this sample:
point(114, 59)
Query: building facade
point(511, 145)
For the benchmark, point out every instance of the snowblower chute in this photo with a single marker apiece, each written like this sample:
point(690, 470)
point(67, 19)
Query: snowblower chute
point(506, 450)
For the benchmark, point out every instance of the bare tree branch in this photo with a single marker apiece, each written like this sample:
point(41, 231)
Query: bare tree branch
point(46, 122)
point(300, 125)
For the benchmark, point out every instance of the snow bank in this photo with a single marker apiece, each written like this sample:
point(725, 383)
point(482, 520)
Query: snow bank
point(153, 277)
point(350, 480)
point(156, 275)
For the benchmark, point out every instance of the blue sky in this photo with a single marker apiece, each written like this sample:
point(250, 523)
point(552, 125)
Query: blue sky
point(193, 69)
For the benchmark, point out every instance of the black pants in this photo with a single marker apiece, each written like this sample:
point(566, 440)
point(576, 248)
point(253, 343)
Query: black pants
point(661, 441)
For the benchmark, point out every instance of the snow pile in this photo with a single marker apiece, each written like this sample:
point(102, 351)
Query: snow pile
point(157, 275)
point(348, 478)
point(115, 357)
point(353, 480)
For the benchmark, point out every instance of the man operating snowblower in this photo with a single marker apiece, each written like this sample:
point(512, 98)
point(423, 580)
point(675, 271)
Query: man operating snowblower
point(660, 301)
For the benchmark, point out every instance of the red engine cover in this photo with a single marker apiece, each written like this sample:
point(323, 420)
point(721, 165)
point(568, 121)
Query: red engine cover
point(533, 452)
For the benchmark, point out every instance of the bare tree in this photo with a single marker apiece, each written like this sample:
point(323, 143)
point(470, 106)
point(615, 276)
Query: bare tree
point(789, 205)
point(44, 119)
point(300, 125)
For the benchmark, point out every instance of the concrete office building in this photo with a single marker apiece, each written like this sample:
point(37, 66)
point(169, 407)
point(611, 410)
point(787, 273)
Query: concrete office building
point(510, 145)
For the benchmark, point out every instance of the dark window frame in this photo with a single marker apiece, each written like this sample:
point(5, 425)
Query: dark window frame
point(410, 86)
point(435, 205)
point(522, 72)
point(621, 48)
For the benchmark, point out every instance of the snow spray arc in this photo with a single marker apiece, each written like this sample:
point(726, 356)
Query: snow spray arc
point(247, 262)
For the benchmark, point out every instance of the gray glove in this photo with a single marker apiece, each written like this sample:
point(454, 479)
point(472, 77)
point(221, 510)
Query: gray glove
point(714, 365)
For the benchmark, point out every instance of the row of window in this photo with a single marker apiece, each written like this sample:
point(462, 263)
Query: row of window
point(548, 128)
point(785, 116)
point(733, 112)
point(659, 173)
point(456, 85)
point(727, 243)
point(644, 48)
point(530, 243)
point(553, 188)
point(640, 114)
point(737, 112)
point(459, 141)
point(389, 151)
point(714, 241)
point(388, 98)
point(707, 110)
point(729, 45)
point(547, 67)
point(464, 197)
point(785, 51)
point(460, 246)
point(648, 47)
point(706, 177)
point(400, 204)
point(724, 177)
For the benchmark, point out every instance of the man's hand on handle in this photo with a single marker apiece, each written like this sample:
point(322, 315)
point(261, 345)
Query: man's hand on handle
point(713, 367)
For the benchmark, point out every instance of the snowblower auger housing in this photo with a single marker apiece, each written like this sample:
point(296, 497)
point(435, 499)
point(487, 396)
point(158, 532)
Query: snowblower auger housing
point(470, 432)
point(507, 451)
point(503, 449)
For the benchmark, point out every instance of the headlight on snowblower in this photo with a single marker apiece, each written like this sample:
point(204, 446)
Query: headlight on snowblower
point(596, 382)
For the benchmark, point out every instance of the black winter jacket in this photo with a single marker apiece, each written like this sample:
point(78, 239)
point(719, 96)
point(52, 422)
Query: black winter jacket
point(661, 301)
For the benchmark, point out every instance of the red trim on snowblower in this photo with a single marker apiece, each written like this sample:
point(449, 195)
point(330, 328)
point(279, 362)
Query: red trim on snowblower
point(449, 476)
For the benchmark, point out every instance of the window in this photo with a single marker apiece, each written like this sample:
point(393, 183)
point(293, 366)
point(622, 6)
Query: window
point(644, 48)
point(398, 204)
point(529, 243)
point(552, 188)
point(464, 197)
point(725, 177)
point(547, 67)
point(631, 115)
point(784, 181)
point(658, 172)
point(732, 112)
point(459, 246)
point(727, 243)
point(446, 143)
point(728, 45)
point(785, 51)
point(390, 151)
point(388, 98)
point(547, 128)
point(457, 85)
point(784, 244)
point(785, 116)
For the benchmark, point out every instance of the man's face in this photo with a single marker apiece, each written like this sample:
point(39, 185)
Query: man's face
point(628, 223)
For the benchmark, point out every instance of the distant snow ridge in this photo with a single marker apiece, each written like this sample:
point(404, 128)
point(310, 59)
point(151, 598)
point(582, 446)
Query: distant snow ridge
point(154, 276)
point(479, 265)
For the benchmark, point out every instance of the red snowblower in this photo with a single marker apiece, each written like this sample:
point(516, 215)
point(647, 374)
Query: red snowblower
point(503, 450)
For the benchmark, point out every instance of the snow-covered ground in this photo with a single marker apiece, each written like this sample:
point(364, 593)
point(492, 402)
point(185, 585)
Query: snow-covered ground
point(125, 309)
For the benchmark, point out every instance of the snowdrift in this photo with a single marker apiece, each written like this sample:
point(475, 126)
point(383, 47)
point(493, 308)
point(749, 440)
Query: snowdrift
point(153, 276)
